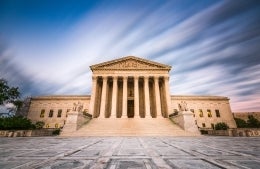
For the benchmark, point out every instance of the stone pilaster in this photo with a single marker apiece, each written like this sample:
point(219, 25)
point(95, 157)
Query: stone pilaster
point(136, 96)
point(93, 96)
point(157, 97)
point(147, 97)
point(103, 97)
point(114, 97)
point(124, 102)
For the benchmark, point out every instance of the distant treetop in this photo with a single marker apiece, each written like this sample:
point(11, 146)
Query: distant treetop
point(8, 94)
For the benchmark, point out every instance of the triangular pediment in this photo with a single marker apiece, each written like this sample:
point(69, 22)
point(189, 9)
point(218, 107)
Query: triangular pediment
point(130, 63)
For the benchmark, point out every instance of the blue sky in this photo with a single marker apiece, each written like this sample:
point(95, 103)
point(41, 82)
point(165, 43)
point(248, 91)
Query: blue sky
point(46, 47)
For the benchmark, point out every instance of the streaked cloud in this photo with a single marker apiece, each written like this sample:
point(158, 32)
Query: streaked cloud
point(213, 46)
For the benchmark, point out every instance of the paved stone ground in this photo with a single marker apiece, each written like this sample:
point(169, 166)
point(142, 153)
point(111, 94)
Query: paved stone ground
point(130, 152)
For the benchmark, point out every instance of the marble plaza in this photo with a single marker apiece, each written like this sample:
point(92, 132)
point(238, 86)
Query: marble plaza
point(130, 152)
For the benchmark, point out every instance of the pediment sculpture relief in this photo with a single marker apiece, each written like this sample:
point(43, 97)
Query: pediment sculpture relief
point(130, 64)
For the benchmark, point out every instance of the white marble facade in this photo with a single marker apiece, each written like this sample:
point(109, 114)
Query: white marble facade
point(131, 87)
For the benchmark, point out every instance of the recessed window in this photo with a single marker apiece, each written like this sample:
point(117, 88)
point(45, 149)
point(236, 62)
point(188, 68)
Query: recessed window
point(56, 125)
point(47, 126)
point(209, 113)
point(200, 113)
point(212, 126)
point(217, 113)
point(42, 113)
point(203, 125)
point(51, 113)
point(59, 113)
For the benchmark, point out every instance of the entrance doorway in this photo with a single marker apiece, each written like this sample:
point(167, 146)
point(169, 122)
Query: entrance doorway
point(130, 108)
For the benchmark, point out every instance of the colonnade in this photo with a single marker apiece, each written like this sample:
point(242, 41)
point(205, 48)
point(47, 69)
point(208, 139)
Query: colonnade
point(130, 96)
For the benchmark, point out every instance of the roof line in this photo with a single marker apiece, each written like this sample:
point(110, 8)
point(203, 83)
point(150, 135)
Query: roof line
point(126, 58)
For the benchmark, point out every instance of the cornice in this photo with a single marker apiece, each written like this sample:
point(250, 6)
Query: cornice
point(189, 97)
point(159, 66)
point(61, 97)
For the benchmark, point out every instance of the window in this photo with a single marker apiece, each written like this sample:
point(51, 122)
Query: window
point(51, 113)
point(47, 126)
point(209, 113)
point(217, 113)
point(212, 126)
point(42, 113)
point(203, 125)
point(56, 125)
point(200, 113)
point(59, 113)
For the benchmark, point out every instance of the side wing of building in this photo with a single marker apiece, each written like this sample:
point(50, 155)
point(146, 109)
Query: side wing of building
point(53, 109)
point(244, 115)
point(208, 110)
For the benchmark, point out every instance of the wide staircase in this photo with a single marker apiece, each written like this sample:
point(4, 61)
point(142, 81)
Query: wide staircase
point(129, 127)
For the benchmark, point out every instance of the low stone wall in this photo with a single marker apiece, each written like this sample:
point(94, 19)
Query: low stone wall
point(26, 133)
point(239, 132)
point(246, 132)
point(219, 132)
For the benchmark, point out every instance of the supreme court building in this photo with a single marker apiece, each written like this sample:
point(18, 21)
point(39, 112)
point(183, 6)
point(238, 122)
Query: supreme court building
point(131, 88)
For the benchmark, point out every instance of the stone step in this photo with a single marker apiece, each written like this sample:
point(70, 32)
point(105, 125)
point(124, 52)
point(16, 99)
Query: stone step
point(129, 127)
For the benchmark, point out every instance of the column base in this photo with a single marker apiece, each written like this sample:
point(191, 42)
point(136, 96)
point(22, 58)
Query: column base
point(101, 118)
point(123, 117)
point(148, 117)
point(137, 117)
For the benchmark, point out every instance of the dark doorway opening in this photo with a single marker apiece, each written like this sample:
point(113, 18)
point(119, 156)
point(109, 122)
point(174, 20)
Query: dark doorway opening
point(130, 108)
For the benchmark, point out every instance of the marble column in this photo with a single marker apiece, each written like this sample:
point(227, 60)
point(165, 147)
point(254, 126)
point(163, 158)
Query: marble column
point(124, 102)
point(93, 96)
point(114, 97)
point(136, 96)
point(157, 97)
point(167, 95)
point(103, 97)
point(147, 97)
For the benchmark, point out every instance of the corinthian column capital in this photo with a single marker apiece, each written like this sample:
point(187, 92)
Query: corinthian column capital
point(166, 78)
point(94, 77)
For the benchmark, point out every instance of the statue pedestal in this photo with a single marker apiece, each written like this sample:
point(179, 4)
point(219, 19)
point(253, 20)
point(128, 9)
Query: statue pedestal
point(74, 121)
point(186, 121)
point(71, 122)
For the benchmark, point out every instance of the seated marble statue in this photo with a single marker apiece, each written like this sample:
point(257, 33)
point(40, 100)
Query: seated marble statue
point(183, 106)
point(77, 107)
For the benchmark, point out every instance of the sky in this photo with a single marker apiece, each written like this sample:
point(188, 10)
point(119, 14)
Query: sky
point(46, 47)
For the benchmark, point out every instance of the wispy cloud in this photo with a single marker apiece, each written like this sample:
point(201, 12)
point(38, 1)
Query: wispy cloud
point(213, 46)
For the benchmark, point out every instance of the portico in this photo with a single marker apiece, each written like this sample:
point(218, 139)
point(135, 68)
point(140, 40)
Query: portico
point(130, 87)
